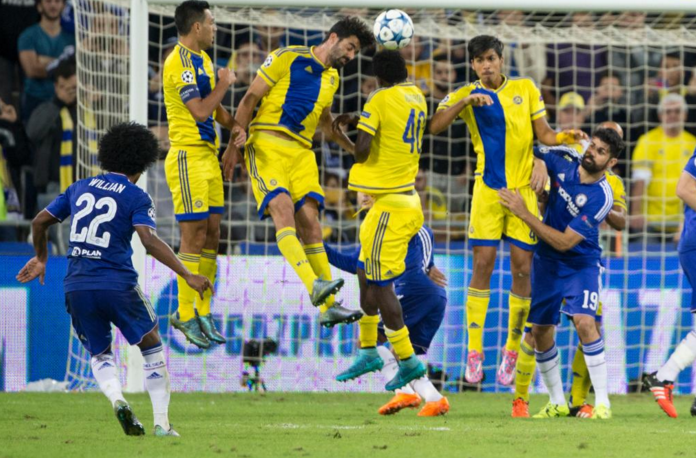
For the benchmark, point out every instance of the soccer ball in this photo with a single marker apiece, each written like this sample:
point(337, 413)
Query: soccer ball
point(393, 29)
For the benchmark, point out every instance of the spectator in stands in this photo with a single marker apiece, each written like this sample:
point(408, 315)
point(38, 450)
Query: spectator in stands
point(658, 160)
point(51, 130)
point(521, 59)
point(245, 61)
point(15, 17)
point(433, 201)
point(38, 47)
point(156, 113)
point(571, 112)
point(608, 102)
point(15, 153)
point(416, 55)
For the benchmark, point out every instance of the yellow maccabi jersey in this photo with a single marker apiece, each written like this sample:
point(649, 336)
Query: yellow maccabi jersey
point(659, 160)
point(502, 134)
point(188, 75)
point(396, 118)
point(301, 88)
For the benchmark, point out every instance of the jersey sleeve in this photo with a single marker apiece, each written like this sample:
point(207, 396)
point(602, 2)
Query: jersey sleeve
point(554, 158)
point(537, 108)
point(144, 212)
point(180, 74)
point(619, 190)
point(370, 116)
point(430, 240)
point(345, 262)
point(594, 212)
point(690, 167)
point(60, 207)
point(453, 97)
point(276, 66)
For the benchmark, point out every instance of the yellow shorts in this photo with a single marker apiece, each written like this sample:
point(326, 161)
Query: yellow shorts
point(390, 224)
point(490, 221)
point(195, 180)
point(276, 166)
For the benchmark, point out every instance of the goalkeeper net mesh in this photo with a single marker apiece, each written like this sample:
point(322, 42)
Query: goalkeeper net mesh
point(619, 65)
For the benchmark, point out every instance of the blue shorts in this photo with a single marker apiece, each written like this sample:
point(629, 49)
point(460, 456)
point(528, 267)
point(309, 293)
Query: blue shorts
point(92, 313)
point(554, 281)
point(688, 263)
point(423, 316)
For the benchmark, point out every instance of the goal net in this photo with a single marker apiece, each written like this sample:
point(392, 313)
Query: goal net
point(619, 65)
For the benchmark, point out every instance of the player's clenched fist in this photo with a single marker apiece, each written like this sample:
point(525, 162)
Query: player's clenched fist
point(226, 76)
point(479, 100)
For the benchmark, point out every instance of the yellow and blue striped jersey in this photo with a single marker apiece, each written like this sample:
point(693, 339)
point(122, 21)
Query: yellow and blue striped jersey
point(188, 75)
point(502, 134)
point(396, 118)
point(301, 88)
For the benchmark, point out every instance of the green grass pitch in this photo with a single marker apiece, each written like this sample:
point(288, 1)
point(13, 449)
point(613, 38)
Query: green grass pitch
point(334, 425)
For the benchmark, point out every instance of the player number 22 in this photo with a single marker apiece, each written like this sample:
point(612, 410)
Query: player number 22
point(591, 299)
point(413, 131)
point(89, 234)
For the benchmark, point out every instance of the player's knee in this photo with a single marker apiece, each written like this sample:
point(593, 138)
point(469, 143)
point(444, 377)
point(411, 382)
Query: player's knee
point(483, 265)
point(282, 210)
point(586, 327)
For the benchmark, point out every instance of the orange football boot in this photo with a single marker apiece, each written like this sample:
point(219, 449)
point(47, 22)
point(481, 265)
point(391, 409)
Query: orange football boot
point(435, 408)
point(520, 408)
point(400, 401)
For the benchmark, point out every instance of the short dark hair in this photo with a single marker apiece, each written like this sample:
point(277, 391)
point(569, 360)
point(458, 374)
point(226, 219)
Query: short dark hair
point(65, 69)
point(482, 43)
point(390, 67)
point(128, 148)
point(611, 138)
point(188, 13)
point(353, 26)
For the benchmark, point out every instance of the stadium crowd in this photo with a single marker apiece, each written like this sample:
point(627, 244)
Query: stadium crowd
point(650, 91)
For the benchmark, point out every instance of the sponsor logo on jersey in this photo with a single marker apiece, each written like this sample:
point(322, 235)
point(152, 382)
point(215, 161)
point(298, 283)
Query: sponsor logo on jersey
point(269, 61)
point(572, 208)
point(151, 212)
point(308, 69)
point(366, 115)
point(78, 252)
point(187, 76)
point(333, 80)
point(580, 200)
point(274, 182)
point(517, 100)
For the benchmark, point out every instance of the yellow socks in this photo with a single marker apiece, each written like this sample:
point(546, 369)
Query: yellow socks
point(208, 268)
point(368, 331)
point(290, 246)
point(316, 254)
point(400, 342)
point(476, 309)
point(187, 294)
point(519, 309)
point(581, 379)
point(526, 365)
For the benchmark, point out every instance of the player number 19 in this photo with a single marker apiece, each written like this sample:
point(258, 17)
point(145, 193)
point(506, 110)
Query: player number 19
point(591, 299)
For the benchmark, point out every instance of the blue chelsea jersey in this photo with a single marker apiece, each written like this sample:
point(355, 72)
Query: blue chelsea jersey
point(687, 242)
point(105, 210)
point(580, 206)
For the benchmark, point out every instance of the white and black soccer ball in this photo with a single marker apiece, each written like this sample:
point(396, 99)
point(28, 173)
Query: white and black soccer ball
point(393, 29)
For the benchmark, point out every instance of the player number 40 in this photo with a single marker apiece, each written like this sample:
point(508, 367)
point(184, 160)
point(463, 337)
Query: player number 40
point(591, 299)
point(89, 234)
point(412, 133)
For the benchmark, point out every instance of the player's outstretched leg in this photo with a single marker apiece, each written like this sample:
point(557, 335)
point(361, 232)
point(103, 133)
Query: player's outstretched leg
point(476, 309)
point(157, 384)
point(338, 314)
point(208, 268)
point(368, 359)
point(104, 370)
point(549, 363)
point(661, 383)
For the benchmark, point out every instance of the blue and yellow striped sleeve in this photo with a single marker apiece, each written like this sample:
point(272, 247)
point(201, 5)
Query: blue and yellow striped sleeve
point(370, 116)
point(536, 102)
point(276, 66)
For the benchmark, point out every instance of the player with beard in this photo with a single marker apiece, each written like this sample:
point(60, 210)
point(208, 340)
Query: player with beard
point(297, 85)
point(567, 263)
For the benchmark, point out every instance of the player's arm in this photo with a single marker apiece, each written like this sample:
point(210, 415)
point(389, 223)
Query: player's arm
point(617, 218)
point(550, 137)
point(560, 241)
point(444, 117)
point(245, 111)
point(686, 189)
point(36, 267)
point(345, 262)
point(164, 254)
point(225, 119)
point(326, 122)
point(203, 108)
